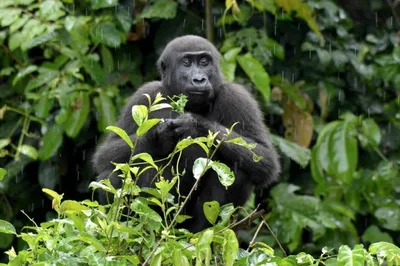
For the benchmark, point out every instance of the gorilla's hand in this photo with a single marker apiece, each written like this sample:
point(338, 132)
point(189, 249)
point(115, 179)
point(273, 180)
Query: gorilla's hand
point(189, 124)
point(165, 136)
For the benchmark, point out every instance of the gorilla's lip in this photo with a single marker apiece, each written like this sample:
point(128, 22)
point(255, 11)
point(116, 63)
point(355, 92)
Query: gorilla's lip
point(196, 91)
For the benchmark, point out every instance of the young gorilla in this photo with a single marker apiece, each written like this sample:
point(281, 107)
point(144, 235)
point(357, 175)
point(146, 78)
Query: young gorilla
point(190, 65)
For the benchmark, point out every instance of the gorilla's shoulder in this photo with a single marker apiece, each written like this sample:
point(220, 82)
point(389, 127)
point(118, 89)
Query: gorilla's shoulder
point(150, 87)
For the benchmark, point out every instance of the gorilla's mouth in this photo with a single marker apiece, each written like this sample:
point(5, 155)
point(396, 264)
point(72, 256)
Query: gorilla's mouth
point(202, 91)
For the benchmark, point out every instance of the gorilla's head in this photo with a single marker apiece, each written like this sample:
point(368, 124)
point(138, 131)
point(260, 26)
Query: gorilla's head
point(190, 65)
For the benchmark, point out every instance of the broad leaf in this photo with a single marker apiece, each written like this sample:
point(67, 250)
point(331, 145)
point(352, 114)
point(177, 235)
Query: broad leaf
point(78, 115)
point(257, 74)
point(120, 132)
point(52, 140)
point(211, 211)
point(295, 152)
point(165, 9)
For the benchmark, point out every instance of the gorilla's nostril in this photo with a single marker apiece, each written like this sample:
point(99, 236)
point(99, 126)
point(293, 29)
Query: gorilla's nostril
point(199, 81)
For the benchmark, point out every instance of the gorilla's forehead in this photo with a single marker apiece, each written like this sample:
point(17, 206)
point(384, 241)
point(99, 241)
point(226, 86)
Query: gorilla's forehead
point(189, 43)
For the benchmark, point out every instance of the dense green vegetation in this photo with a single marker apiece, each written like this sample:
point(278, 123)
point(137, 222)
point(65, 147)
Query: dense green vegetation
point(324, 72)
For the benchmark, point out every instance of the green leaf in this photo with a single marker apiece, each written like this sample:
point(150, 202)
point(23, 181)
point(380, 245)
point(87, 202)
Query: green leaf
point(44, 105)
point(225, 175)
point(72, 206)
point(7, 228)
point(40, 80)
point(94, 69)
point(294, 151)
point(386, 251)
point(107, 59)
point(257, 74)
point(91, 240)
point(159, 106)
point(145, 157)
point(106, 111)
point(39, 40)
point(203, 248)
point(355, 257)
point(211, 211)
point(178, 258)
point(230, 56)
point(120, 132)
point(125, 19)
point(389, 217)
point(199, 166)
point(23, 72)
point(106, 33)
point(78, 117)
point(52, 140)
point(28, 151)
point(230, 247)
point(165, 9)
point(343, 152)
point(97, 4)
point(303, 11)
point(3, 173)
point(146, 126)
point(374, 234)
point(4, 143)
point(227, 69)
point(139, 114)
point(372, 131)
point(140, 207)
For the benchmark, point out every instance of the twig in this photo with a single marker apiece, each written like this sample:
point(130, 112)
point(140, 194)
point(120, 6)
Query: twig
point(248, 219)
point(276, 239)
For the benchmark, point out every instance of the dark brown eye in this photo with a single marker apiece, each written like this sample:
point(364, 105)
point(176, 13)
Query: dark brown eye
point(204, 61)
point(186, 62)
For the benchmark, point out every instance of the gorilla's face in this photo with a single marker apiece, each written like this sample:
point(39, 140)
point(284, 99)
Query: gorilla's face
point(193, 73)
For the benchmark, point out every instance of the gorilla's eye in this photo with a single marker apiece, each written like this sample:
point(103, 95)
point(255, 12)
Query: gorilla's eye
point(186, 62)
point(204, 61)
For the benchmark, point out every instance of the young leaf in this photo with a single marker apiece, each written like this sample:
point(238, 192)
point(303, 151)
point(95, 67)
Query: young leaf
point(139, 114)
point(211, 211)
point(145, 157)
point(120, 132)
point(146, 126)
point(347, 256)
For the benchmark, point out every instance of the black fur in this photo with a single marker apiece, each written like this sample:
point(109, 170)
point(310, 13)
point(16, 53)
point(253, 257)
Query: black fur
point(215, 106)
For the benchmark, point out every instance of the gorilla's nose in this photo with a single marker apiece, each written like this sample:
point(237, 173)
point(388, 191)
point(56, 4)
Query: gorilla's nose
point(199, 81)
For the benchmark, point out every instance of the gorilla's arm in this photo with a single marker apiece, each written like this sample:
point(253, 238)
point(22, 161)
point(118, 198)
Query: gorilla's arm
point(115, 149)
point(235, 104)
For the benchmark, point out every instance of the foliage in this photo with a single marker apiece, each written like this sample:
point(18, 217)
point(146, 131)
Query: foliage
point(327, 80)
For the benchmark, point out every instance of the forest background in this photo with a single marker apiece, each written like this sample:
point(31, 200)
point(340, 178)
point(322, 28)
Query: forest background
point(326, 74)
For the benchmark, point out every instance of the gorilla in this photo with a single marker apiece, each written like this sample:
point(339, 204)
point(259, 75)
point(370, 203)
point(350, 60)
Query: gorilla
point(190, 65)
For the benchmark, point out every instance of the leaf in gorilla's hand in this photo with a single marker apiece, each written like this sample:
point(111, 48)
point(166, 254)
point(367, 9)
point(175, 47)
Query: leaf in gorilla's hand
point(211, 211)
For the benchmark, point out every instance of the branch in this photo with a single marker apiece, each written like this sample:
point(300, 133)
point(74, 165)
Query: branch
point(209, 21)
